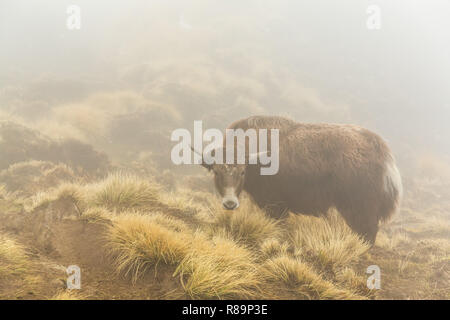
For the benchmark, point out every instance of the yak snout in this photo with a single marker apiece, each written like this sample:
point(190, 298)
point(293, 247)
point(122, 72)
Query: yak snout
point(230, 201)
point(230, 204)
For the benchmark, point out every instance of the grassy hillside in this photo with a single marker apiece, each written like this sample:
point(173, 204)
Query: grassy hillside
point(133, 239)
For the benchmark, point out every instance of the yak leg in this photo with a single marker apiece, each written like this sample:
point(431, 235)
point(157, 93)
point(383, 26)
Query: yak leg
point(368, 229)
point(363, 221)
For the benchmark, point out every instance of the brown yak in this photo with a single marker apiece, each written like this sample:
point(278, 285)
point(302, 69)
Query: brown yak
point(320, 166)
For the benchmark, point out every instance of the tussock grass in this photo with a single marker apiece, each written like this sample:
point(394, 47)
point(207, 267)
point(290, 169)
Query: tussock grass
point(247, 225)
point(221, 269)
point(97, 214)
point(215, 253)
point(69, 191)
point(139, 242)
point(13, 257)
point(117, 192)
point(327, 241)
point(348, 278)
point(301, 280)
point(273, 247)
point(121, 191)
point(187, 238)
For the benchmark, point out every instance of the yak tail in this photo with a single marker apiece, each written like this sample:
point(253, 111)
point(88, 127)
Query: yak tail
point(393, 187)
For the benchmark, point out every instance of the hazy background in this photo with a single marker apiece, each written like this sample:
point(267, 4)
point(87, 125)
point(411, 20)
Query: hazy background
point(77, 106)
point(136, 70)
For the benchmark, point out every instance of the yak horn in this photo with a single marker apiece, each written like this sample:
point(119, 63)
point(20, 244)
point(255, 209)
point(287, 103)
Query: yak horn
point(207, 166)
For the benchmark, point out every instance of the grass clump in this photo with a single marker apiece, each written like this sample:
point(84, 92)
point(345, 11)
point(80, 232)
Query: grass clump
point(300, 281)
point(117, 192)
point(120, 191)
point(13, 257)
point(97, 214)
point(221, 269)
point(327, 241)
point(348, 278)
point(247, 225)
point(272, 247)
point(71, 192)
point(140, 241)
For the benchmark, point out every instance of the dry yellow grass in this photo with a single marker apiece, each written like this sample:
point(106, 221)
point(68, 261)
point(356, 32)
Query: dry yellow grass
point(327, 241)
point(186, 240)
point(209, 268)
point(194, 245)
point(117, 192)
point(273, 247)
point(391, 241)
point(20, 276)
point(220, 269)
point(70, 191)
point(247, 225)
point(120, 191)
point(97, 214)
point(139, 241)
point(223, 260)
point(13, 257)
point(357, 283)
point(302, 281)
point(215, 253)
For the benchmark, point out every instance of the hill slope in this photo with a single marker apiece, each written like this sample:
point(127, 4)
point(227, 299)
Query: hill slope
point(134, 240)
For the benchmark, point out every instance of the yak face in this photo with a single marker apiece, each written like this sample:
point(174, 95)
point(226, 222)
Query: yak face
point(229, 181)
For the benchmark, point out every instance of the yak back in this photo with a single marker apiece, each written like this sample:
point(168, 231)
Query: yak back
point(320, 165)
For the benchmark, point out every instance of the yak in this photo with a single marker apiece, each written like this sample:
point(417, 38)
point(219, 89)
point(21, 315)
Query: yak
point(321, 166)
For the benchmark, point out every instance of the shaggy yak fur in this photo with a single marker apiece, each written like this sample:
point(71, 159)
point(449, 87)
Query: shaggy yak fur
point(320, 166)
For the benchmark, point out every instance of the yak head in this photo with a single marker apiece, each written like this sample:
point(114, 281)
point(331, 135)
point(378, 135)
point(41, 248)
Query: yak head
point(229, 179)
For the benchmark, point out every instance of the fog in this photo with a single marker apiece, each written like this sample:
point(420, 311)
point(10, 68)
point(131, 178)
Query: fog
point(87, 175)
point(137, 70)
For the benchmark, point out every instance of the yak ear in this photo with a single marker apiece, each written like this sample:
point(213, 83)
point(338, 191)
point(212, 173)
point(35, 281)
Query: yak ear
point(253, 157)
point(203, 164)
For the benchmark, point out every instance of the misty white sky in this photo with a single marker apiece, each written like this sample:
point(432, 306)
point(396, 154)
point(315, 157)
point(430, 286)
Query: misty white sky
point(288, 55)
